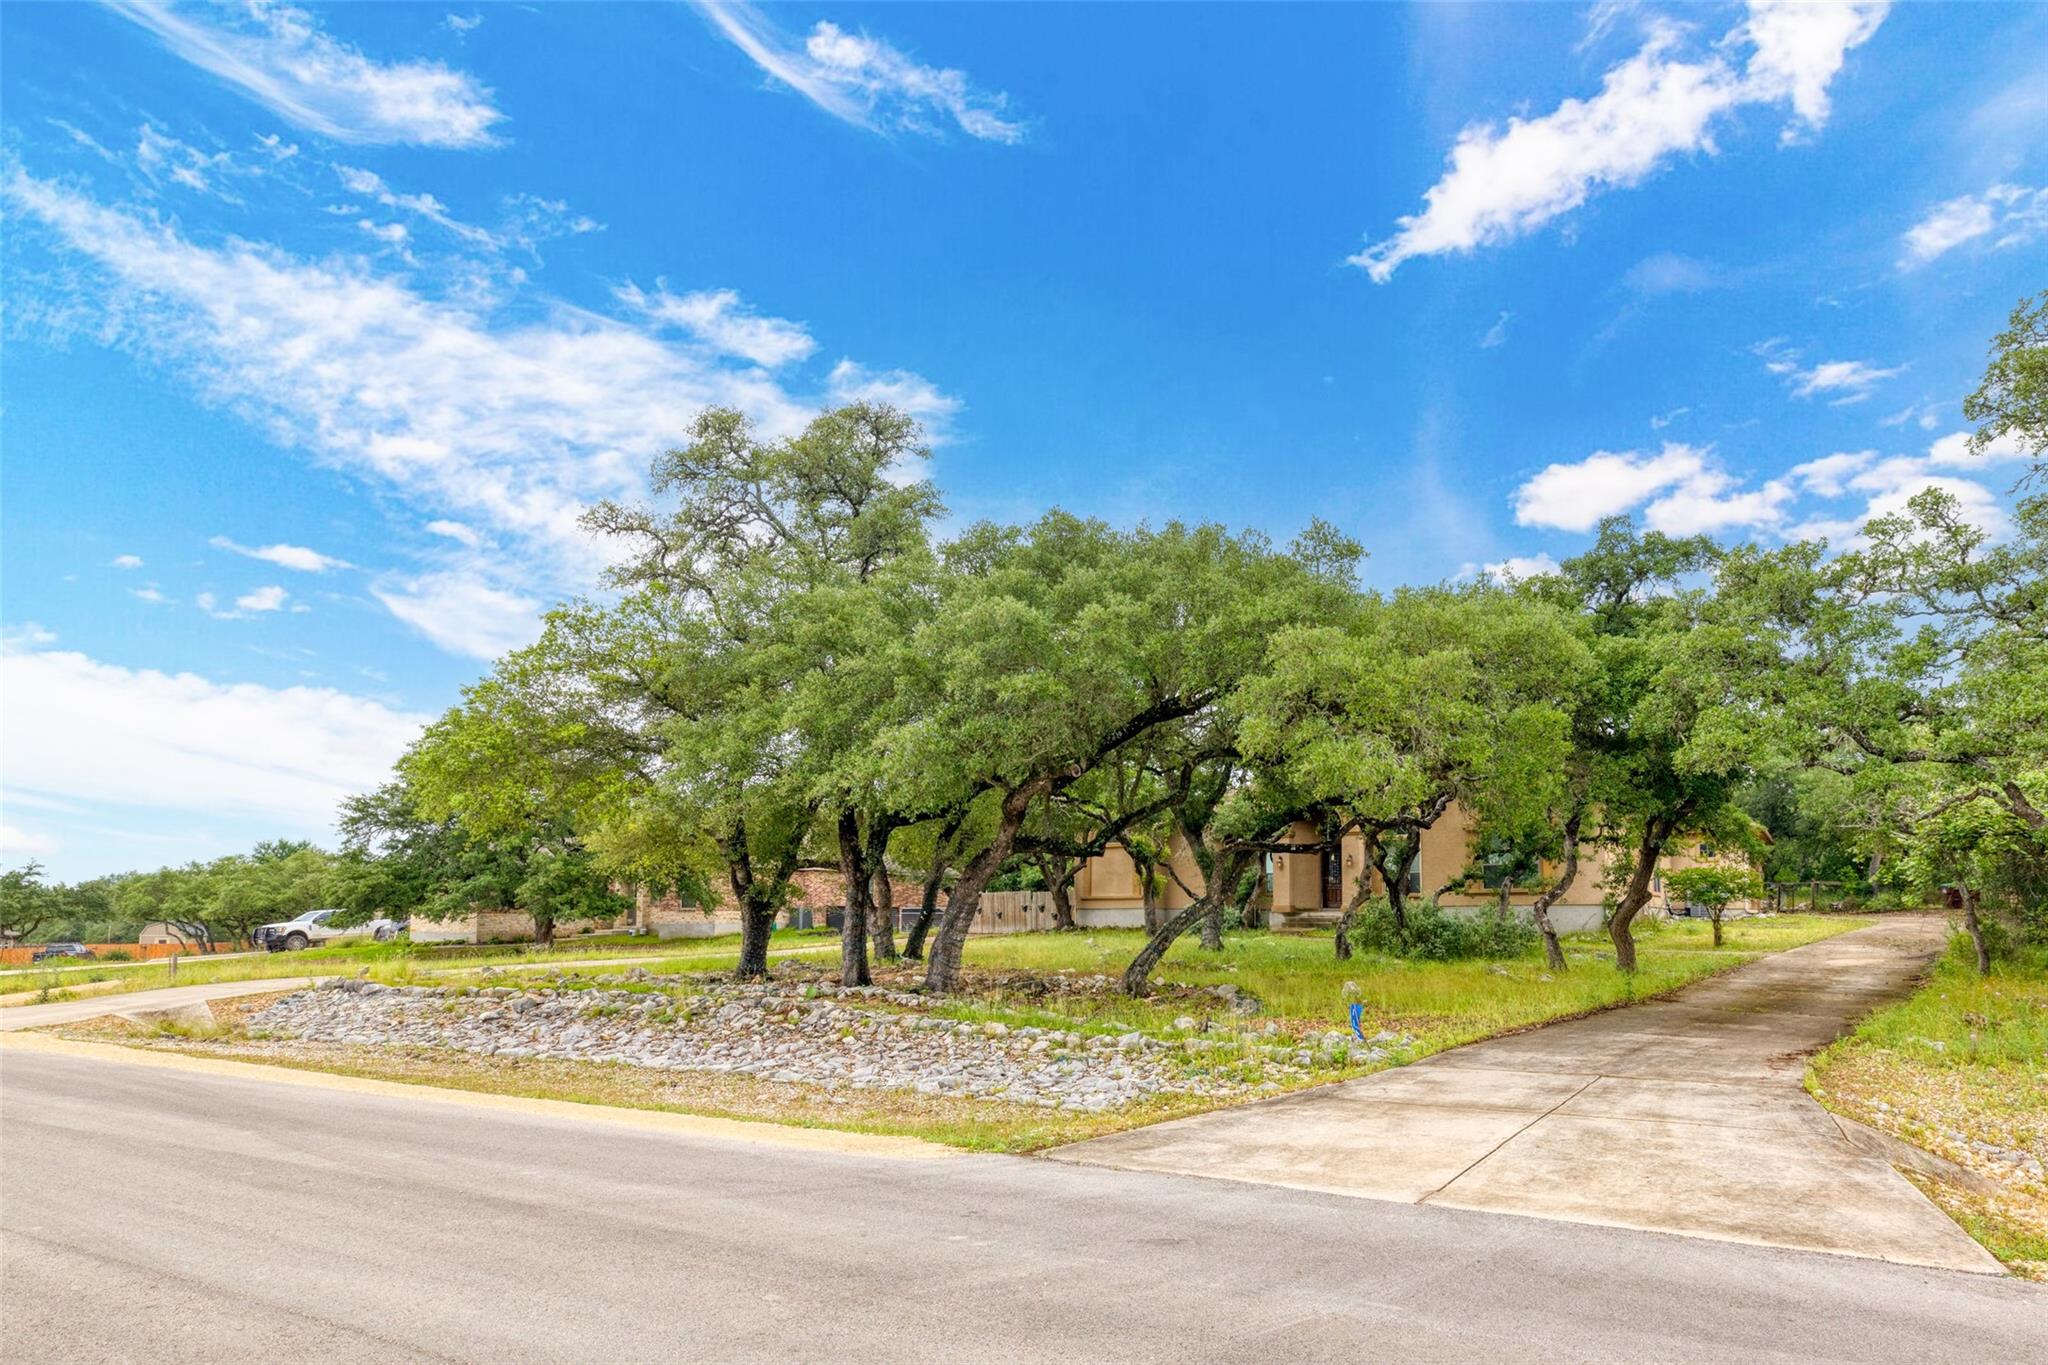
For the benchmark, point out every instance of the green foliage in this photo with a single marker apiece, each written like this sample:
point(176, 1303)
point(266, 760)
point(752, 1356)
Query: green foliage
point(2011, 403)
point(1712, 888)
point(26, 901)
point(1437, 935)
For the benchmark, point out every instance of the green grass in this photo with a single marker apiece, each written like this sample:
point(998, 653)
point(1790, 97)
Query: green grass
point(396, 963)
point(1964, 1060)
point(1298, 980)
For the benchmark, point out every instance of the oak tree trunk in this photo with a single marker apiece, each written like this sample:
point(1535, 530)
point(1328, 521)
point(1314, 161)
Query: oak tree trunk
point(1061, 890)
point(882, 915)
point(757, 922)
point(1975, 928)
point(942, 974)
point(1229, 868)
point(853, 926)
point(1539, 909)
point(1350, 912)
point(927, 914)
point(1637, 894)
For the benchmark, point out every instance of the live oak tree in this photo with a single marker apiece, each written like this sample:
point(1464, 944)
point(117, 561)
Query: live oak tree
point(1713, 889)
point(1430, 698)
point(27, 902)
point(1054, 650)
point(1660, 733)
point(1916, 664)
point(774, 579)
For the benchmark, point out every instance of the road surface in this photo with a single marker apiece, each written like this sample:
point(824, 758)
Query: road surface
point(155, 1215)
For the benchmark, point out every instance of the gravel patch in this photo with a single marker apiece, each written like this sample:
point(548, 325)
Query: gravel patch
point(817, 1035)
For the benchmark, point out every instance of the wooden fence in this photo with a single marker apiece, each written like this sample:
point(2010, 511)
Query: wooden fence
point(20, 954)
point(1013, 912)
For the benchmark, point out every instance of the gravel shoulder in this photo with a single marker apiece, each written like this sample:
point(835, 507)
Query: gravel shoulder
point(867, 1059)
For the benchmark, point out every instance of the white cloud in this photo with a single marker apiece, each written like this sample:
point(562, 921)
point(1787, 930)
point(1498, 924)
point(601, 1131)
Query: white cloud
point(1888, 483)
point(371, 185)
point(865, 81)
point(18, 844)
point(463, 23)
point(1800, 47)
point(1849, 381)
point(456, 531)
point(1665, 419)
point(1829, 475)
point(1516, 568)
point(1680, 489)
point(1503, 181)
point(284, 556)
point(852, 382)
point(1927, 416)
point(1575, 496)
point(2012, 215)
point(507, 422)
point(76, 729)
point(149, 592)
point(159, 157)
point(278, 56)
point(1713, 501)
point(271, 598)
point(720, 320)
point(1842, 382)
point(1496, 335)
point(1953, 451)
point(462, 613)
point(125, 562)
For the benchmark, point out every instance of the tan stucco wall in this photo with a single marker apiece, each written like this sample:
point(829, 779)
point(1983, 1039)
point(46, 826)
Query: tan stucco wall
point(1297, 896)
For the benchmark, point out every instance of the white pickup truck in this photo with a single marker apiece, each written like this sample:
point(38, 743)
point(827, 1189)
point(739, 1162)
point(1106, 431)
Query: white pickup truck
point(314, 928)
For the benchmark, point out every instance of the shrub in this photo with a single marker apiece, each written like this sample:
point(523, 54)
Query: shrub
point(1436, 936)
point(117, 955)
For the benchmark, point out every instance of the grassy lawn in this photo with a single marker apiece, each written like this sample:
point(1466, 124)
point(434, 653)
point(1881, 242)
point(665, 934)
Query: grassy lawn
point(1961, 1069)
point(390, 962)
point(1301, 986)
point(1063, 981)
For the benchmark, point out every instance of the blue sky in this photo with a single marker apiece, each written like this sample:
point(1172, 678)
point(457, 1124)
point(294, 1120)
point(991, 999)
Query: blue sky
point(322, 323)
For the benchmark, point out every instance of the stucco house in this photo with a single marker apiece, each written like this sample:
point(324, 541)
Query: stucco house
point(1308, 890)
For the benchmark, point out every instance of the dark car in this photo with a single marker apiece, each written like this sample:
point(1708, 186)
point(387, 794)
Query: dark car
point(50, 950)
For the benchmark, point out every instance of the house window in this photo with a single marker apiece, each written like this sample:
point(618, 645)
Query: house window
point(1413, 879)
point(1706, 850)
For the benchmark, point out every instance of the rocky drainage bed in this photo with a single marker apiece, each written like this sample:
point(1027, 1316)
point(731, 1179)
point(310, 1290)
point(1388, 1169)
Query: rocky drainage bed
point(854, 1038)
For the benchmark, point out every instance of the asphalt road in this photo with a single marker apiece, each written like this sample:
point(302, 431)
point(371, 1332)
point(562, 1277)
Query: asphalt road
point(153, 1215)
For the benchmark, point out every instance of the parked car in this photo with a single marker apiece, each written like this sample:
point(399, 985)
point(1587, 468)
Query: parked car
point(316, 928)
point(50, 950)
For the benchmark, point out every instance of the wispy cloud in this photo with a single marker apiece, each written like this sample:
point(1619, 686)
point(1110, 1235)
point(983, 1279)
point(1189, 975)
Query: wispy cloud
point(125, 562)
point(506, 425)
point(271, 598)
point(864, 80)
point(1505, 180)
point(2006, 215)
point(1496, 335)
point(462, 612)
point(83, 730)
point(284, 556)
point(1841, 382)
point(722, 321)
point(278, 56)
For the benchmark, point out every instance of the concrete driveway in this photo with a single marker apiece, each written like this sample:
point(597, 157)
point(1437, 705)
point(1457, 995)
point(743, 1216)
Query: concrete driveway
point(1681, 1115)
